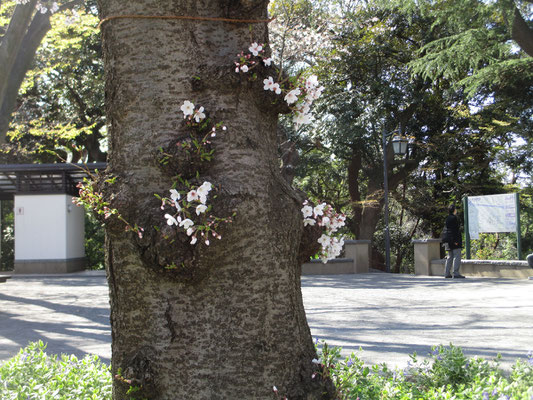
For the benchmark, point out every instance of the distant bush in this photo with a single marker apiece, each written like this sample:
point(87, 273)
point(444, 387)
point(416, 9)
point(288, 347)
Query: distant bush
point(94, 242)
point(448, 374)
point(32, 374)
point(7, 236)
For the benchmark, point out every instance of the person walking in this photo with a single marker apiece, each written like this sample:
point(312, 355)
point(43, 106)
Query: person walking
point(453, 243)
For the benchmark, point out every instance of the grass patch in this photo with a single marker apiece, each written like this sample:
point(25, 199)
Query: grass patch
point(447, 374)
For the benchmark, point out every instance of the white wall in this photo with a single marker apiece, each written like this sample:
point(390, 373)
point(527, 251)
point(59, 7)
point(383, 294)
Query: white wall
point(46, 230)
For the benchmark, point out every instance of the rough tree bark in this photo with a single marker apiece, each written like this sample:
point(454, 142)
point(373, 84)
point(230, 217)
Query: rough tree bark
point(229, 322)
point(522, 33)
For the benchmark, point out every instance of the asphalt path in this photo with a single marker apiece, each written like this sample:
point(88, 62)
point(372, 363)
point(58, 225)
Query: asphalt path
point(388, 316)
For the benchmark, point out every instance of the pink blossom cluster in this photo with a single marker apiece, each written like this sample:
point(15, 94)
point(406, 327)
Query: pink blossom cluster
point(195, 198)
point(246, 61)
point(42, 6)
point(93, 200)
point(300, 96)
point(194, 201)
point(325, 216)
point(304, 97)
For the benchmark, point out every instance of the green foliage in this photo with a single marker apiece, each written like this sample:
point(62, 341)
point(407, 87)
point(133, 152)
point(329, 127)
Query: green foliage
point(323, 177)
point(94, 242)
point(32, 374)
point(526, 220)
point(7, 236)
point(61, 101)
point(471, 143)
point(448, 374)
point(494, 246)
point(503, 246)
point(471, 45)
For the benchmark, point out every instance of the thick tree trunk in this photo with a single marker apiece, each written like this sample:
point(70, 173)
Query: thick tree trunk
point(37, 30)
point(522, 33)
point(229, 322)
point(354, 168)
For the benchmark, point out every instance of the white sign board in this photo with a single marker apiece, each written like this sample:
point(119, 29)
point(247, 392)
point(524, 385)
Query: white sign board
point(494, 213)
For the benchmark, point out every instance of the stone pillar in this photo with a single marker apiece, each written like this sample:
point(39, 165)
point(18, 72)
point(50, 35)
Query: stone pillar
point(359, 251)
point(425, 251)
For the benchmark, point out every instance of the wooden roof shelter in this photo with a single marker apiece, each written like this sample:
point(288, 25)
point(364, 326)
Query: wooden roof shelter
point(43, 178)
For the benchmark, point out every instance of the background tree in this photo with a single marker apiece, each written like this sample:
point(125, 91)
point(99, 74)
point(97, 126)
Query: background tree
point(462, 145)
point(28, 25)
point(61, 101)
point(369, 90)
point(478, 42)
point(195, 320)
point(478, 52)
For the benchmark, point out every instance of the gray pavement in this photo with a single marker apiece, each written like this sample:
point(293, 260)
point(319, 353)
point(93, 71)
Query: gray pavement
point(389, 316)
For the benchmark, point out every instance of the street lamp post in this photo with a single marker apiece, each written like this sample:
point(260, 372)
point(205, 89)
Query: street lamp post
point(399, 146)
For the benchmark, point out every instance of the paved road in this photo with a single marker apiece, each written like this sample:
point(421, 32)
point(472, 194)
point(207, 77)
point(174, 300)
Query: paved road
point(389, 316)
point(392, 316)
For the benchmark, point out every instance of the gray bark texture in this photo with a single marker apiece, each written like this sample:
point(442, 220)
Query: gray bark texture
point(229, 322)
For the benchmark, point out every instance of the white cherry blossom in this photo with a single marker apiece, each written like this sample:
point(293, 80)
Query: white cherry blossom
point(42, 9)
point(268, 83)
point(307, 211)
point(255, 49)
point(199, 114)
point(186, 223)
point(175, 196)
point(267, 61)
point(244, 68)
point(206, 187)
point(200, 209)
point(292, 96)
point(309, 221)
point(171, 220)
point(276, 88)
point(319, 210)
point(192, 195)
point(194, 240)
point(311, 82)
point(303, 108)
point(187, 108)
point(324, 240)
